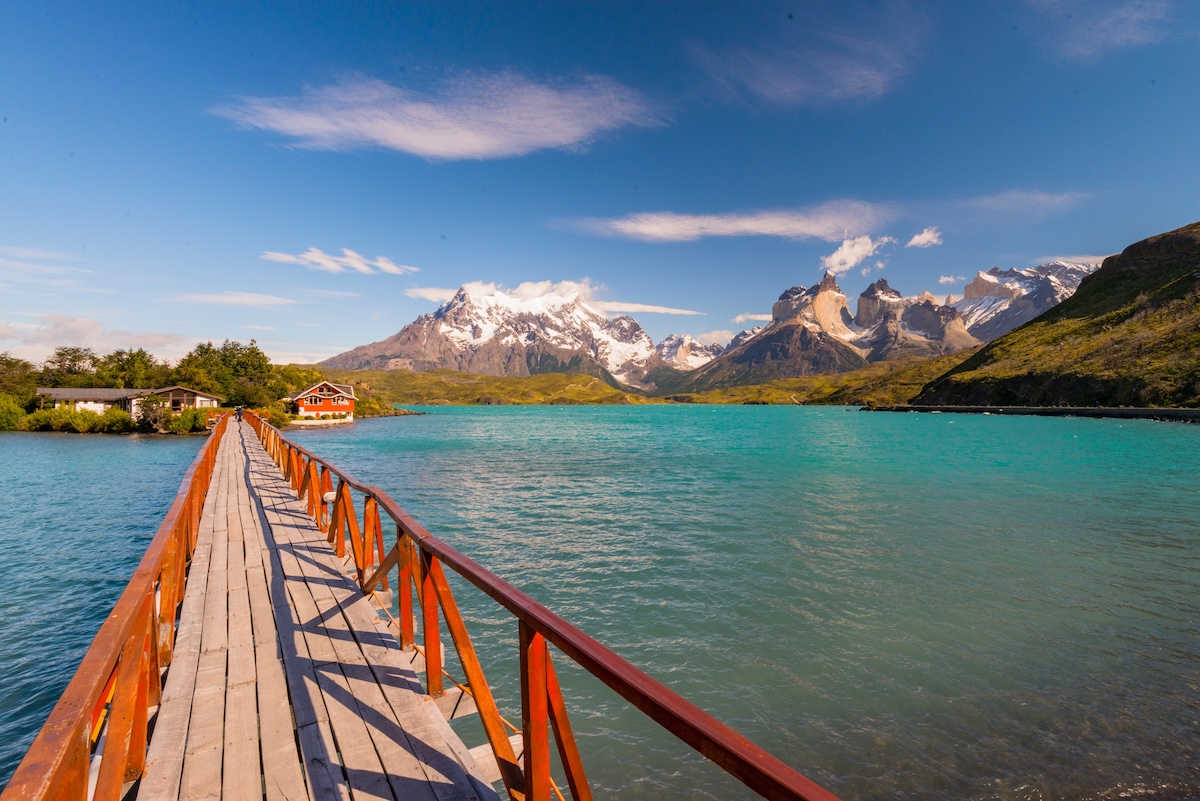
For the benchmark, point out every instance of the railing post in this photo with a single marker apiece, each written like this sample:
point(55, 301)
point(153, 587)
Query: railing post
point(535, 714)
point(372, 540)
point(405, 585)
point(337, 522)
point(429, 624)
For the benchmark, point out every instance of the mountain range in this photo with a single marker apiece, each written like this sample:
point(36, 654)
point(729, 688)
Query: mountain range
point(550, 328)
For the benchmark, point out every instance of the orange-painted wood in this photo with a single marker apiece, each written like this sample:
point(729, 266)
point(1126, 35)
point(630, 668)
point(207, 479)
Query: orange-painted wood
point(120, 661)
point(535, 714)
point(568, 751)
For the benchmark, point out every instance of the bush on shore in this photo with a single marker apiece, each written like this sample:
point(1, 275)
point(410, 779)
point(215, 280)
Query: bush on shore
point(188, 421)
point(73, 421)
point(10, 412)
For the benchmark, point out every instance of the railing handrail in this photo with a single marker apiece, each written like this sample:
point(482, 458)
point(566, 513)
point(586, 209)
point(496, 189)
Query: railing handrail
point(737, 755)
point(57, 762)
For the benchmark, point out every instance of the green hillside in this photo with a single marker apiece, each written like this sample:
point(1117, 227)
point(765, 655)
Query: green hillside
point(886, 383)
point(1130, 336)
point(452, 387)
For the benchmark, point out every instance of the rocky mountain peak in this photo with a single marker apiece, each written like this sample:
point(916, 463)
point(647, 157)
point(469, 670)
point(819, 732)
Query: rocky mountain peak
point(685, 353)
point(745, 337)
point(880, 290)
point(828, 284)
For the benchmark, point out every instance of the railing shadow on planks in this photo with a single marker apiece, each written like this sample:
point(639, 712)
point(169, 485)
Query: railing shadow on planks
point(119, 679)
point(418, 559)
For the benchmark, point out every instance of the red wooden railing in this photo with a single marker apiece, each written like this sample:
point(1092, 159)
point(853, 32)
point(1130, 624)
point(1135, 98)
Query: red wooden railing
point(118, 680)
point(418, 559)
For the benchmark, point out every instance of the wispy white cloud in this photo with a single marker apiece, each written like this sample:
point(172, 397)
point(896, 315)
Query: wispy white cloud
point(799, 77)
point(252, 299)
point(1083, 30)
point(822, 64)
point(1027, 202)
point(718, 337)
point(473, 116)
point(745, 318)
point(618, 307)
point(332, 294)
point(926, 239)
point(36, 341)
point(951, 279)
point(28, 264)
point(829, 222)
point(431, 293)
point(852, 253)
point(349, 261)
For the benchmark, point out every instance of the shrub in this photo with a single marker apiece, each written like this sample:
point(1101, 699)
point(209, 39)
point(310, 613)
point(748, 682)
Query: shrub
point(188, 421)
point(277, 417)
point(10, 412)
point(115, 421)
point(63, 418)
point(36, 421)
point(77, 422)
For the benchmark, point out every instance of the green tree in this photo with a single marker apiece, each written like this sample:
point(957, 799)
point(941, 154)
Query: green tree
point(18, 377)
point(202, 369)
point(70, 367)
point(242, 374)
point(133, 369)
point(153, 415)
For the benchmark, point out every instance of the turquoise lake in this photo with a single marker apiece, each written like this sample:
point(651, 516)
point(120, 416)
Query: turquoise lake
point(898, 605)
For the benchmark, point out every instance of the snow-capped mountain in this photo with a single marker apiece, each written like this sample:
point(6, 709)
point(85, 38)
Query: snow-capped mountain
point(539, 327)
point(812, 331)
point(997, 301)
point(685, 353)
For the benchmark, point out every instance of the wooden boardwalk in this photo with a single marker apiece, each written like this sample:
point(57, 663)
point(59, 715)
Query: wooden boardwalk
point(285, 683)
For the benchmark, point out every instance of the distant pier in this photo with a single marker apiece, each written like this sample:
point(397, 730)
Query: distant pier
point(1119, 412)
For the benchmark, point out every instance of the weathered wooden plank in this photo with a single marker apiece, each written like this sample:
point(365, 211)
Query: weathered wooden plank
point(216, 618)
point(487, 760)
point(241, 778)
point(206, 734)
point(282, 774)
point(364, 772)
point(321, 766)
point(402, 759)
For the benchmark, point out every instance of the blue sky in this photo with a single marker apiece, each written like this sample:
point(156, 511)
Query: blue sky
point(314, 176)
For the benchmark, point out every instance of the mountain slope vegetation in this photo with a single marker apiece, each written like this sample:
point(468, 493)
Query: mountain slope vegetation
point(1130, 336)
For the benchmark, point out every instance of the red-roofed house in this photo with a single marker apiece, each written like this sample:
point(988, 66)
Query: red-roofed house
point(325, 398)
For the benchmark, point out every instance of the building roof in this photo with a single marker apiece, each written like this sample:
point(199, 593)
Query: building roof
point(109, 394)
point(344, 389)
point(90, 393)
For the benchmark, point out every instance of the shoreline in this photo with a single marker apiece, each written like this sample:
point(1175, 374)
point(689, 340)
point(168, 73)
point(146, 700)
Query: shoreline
point(1167, 414)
